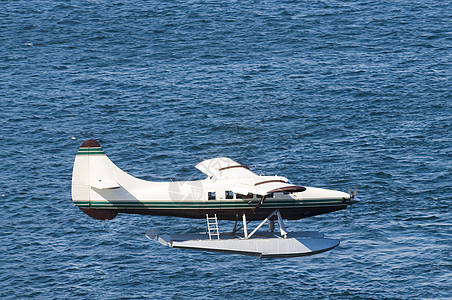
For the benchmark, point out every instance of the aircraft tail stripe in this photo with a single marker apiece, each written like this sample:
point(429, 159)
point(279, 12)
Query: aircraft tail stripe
point(90, 151)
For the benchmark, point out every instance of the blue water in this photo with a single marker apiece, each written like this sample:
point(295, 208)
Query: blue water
point(331, 94)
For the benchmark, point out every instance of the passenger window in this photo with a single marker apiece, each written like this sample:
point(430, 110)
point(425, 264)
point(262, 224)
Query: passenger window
point(229, 195)
point(211, 195)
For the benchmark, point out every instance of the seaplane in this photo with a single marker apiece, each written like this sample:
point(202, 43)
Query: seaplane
point(231, 191)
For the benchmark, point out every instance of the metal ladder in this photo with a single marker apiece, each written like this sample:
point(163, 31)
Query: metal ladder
point(212, 226)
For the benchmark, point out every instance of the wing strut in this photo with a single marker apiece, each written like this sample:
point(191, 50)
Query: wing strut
point(259, 204)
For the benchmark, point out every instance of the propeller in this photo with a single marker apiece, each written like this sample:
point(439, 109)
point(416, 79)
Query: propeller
point(352, 196)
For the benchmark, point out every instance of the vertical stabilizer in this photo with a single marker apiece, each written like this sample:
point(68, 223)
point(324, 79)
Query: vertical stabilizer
point(92, 169)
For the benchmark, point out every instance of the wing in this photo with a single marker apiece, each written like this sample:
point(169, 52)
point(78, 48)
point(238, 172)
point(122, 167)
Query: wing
point(223, 167)
point(247, 181)
point(266, 185)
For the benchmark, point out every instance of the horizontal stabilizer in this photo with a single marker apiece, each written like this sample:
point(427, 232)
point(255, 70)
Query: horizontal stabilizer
point(152, 233)
point(105, 185)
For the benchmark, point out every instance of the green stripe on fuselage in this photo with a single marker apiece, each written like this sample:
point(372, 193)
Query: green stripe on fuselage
point(90, 151)
point(203, 205)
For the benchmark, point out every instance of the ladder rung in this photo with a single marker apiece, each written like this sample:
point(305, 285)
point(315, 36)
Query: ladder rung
point(212, 226)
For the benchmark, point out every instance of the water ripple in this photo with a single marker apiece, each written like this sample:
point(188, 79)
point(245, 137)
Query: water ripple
point(327, 93)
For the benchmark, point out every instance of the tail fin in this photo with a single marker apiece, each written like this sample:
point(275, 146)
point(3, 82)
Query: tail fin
point(92, 169)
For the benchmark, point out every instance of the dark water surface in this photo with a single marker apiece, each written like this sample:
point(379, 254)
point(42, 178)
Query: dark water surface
point(327, 93)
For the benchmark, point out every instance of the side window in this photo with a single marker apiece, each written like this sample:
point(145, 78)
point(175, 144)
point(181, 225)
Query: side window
point(211, 195)
point(247, 196)
point(229, 194)
point(271, 195)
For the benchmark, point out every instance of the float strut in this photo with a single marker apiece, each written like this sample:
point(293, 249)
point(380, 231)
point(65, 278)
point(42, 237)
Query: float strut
point(282, 228)
point(262, 223)
point(245, 231)
point(234, 229)
point(271, 226)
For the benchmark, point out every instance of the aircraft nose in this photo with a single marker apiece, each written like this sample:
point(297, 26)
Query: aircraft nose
point(349, 199)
